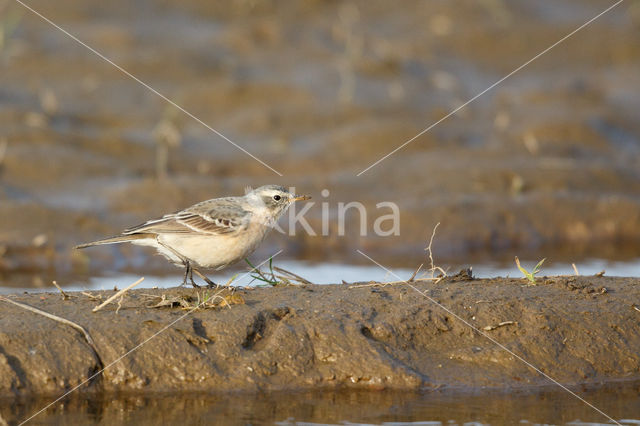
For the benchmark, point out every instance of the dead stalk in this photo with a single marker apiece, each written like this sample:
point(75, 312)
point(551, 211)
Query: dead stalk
point(65, 296)
point(434, 268)
point(115, 296)
point(433, 234)
point(292, 275)
point(86, 334)
point(91, 296)
point(575, 269)
point(413, 277)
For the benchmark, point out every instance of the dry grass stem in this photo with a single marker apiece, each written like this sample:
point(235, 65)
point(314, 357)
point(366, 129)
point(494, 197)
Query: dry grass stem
point(118, 294)
point(292, 275)
point(91, 296)
point(120, 303)
point(636, 308)
point(413, 277)
point(575, 269)
point(86, 334)
point(502, 324)
point(65, 296)
point(429, 249)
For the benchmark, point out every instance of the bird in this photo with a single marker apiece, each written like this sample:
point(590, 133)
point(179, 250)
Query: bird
point(211, 234)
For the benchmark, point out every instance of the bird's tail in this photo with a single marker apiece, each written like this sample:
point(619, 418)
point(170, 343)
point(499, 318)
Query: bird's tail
point(116, 240)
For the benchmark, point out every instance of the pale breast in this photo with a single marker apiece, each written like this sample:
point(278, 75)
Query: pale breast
point(216, 251)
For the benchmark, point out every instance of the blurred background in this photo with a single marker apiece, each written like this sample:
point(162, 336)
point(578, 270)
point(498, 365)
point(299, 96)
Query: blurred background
point(547, 164)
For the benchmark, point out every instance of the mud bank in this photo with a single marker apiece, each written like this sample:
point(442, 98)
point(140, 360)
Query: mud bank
point(549, 159)
point(576, 329)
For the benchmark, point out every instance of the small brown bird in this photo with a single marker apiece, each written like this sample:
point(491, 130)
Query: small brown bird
point(212, 234)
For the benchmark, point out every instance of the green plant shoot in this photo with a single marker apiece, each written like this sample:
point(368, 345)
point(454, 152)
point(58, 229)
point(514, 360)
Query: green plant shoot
point(531, 276)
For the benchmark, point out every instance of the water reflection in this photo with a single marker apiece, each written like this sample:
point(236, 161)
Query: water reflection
point(549, 406)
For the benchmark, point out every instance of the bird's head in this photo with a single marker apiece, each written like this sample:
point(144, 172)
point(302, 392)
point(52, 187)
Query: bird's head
point(275, 198)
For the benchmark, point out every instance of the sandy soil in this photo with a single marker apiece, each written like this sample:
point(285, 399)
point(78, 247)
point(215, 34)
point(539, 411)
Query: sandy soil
point(576, 329)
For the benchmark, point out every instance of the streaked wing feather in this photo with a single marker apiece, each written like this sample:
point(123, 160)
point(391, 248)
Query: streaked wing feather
point(214, 226)
point(219, 216)
point(184, 224)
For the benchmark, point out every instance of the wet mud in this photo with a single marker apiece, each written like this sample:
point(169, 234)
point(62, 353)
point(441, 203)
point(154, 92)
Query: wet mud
point(548, 160)
point(578, 330)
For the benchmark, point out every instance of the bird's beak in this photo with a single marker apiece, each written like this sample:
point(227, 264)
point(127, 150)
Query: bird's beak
point(300, 198)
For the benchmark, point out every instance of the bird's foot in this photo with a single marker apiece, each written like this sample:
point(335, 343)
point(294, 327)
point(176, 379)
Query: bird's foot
point(210, 284)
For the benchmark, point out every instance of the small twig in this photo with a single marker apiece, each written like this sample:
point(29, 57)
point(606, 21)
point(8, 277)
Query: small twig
point(121, 292)
point(636, 308)
point(86, 334)
point(415, 273)
point(433, 234)
point(429, 249)
point(120, 303)
point(502, 324)
point(65, 296)
point(483, 301)
point(91, 296)
point(575, 269)
point(442, 271)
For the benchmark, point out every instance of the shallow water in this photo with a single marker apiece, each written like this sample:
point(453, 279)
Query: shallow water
point(549, 406)
point(336, 273)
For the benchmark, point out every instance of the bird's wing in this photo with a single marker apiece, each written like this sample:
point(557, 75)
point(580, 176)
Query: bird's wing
point(215, 217)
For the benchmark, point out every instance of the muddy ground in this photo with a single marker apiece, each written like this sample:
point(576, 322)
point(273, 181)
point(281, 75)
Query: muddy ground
point(549, 159)
point(583, 329)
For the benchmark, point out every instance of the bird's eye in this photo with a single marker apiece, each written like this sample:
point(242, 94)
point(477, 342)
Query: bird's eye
point(277, 197)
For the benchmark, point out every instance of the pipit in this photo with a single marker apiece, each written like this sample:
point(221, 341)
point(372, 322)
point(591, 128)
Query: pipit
point(212, 234)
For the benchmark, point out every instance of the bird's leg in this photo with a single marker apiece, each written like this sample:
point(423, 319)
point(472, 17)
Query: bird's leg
point(193, 283)
point(187, 269)
point(210, 283)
